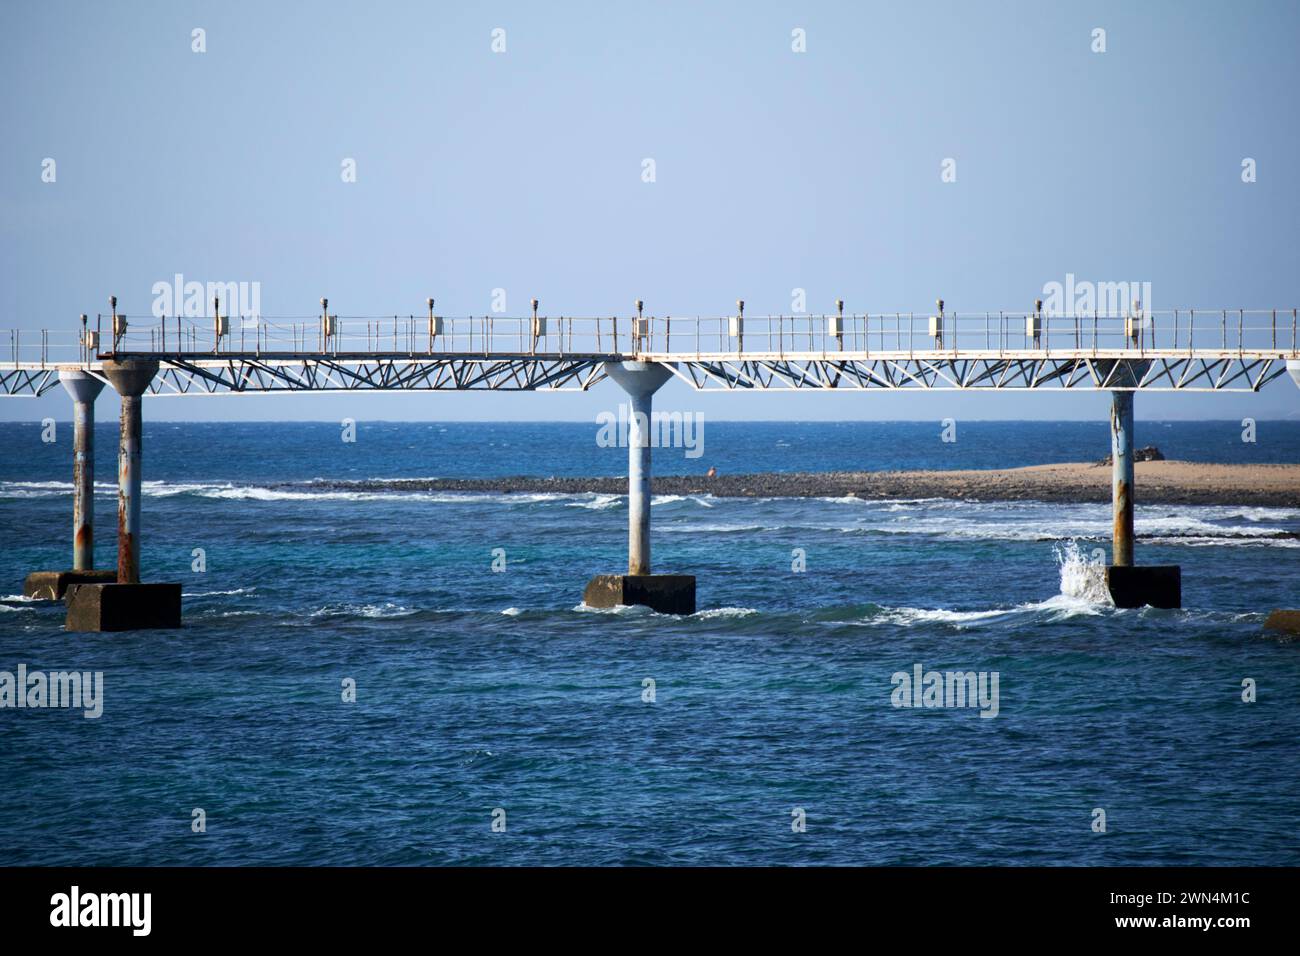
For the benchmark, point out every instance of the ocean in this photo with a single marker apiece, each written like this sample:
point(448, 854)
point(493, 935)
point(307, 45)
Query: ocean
point(497, 721)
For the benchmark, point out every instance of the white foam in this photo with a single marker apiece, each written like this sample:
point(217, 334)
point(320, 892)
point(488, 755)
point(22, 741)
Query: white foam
point(724, 612)
point(385, 610)
point(921, 615)
point(1082, 578)
point(597, 502)
point(633, 609)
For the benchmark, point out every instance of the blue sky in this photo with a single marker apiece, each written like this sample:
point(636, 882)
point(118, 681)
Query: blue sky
point(775, 170)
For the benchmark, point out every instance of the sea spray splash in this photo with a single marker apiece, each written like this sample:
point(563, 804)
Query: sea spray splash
point(1082, 577)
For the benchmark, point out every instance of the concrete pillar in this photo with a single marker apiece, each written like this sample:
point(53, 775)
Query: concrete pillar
point(640, 380)
point(84, 389)
point(126, 604)
point(130, 379)
point(54, 585)
point(1293, 366)
point(1131, 586)
point(1121, 447)
point(665, 593)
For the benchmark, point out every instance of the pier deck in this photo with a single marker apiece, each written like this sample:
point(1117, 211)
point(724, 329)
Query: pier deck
point(1193, 350)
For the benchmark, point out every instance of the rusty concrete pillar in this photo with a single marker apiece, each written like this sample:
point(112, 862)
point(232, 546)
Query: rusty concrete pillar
point(84, 389)
point(640, 380)
point(130, 378)
point(1121, 447)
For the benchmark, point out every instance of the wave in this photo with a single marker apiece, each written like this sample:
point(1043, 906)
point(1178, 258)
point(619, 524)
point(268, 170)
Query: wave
point(724, 612)
point(597, 502)
point(385, 610)
point(1166, 525)
point(1083, 576)
point(1190, 524)
point(1226, 541)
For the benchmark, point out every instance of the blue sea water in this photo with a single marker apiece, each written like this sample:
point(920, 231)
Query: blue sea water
point(479, 690)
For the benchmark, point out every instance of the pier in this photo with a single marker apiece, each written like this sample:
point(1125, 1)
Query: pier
point(146, 356)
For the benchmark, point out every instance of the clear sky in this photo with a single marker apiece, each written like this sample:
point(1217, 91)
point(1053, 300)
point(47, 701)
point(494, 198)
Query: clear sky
point(774, 170)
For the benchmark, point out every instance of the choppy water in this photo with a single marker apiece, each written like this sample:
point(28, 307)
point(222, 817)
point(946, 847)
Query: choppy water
point(480, 690)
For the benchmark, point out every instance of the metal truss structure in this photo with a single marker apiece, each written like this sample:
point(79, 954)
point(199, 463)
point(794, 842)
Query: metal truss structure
point(1202, 372)
point(250, 374)
point(335, 373)
point(189, 375)
point(22, 380)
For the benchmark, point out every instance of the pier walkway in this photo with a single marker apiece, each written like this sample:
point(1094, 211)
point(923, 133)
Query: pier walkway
point(1178, 351)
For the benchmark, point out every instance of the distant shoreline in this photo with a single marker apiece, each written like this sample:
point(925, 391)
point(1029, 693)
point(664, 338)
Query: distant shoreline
point(1158, 482)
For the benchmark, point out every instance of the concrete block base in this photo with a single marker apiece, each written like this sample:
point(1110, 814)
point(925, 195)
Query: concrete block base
point(52, 585)
point(1140, 585)
point(123, 607)
point(665, 593)
point(1288, 622)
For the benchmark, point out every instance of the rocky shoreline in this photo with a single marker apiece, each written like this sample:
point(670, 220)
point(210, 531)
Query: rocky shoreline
point(1158, 482)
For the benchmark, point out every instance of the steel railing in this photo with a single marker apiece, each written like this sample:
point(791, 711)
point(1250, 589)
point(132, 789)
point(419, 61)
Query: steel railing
point(1200, 331)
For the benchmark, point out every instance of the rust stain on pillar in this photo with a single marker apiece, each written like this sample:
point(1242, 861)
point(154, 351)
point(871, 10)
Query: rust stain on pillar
point(128, 492)
point(130, 378)
point(1121, 440)
point(84, 389)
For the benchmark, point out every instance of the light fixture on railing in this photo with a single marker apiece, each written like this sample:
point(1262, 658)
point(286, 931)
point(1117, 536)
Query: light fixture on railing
point(1133, 323)
point(936, 325)
point(119, 321)
point(328, 323)
point(539, 327)
point(220, 324)
point(435, 324)
point(1034, 325)
point(89, 337)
